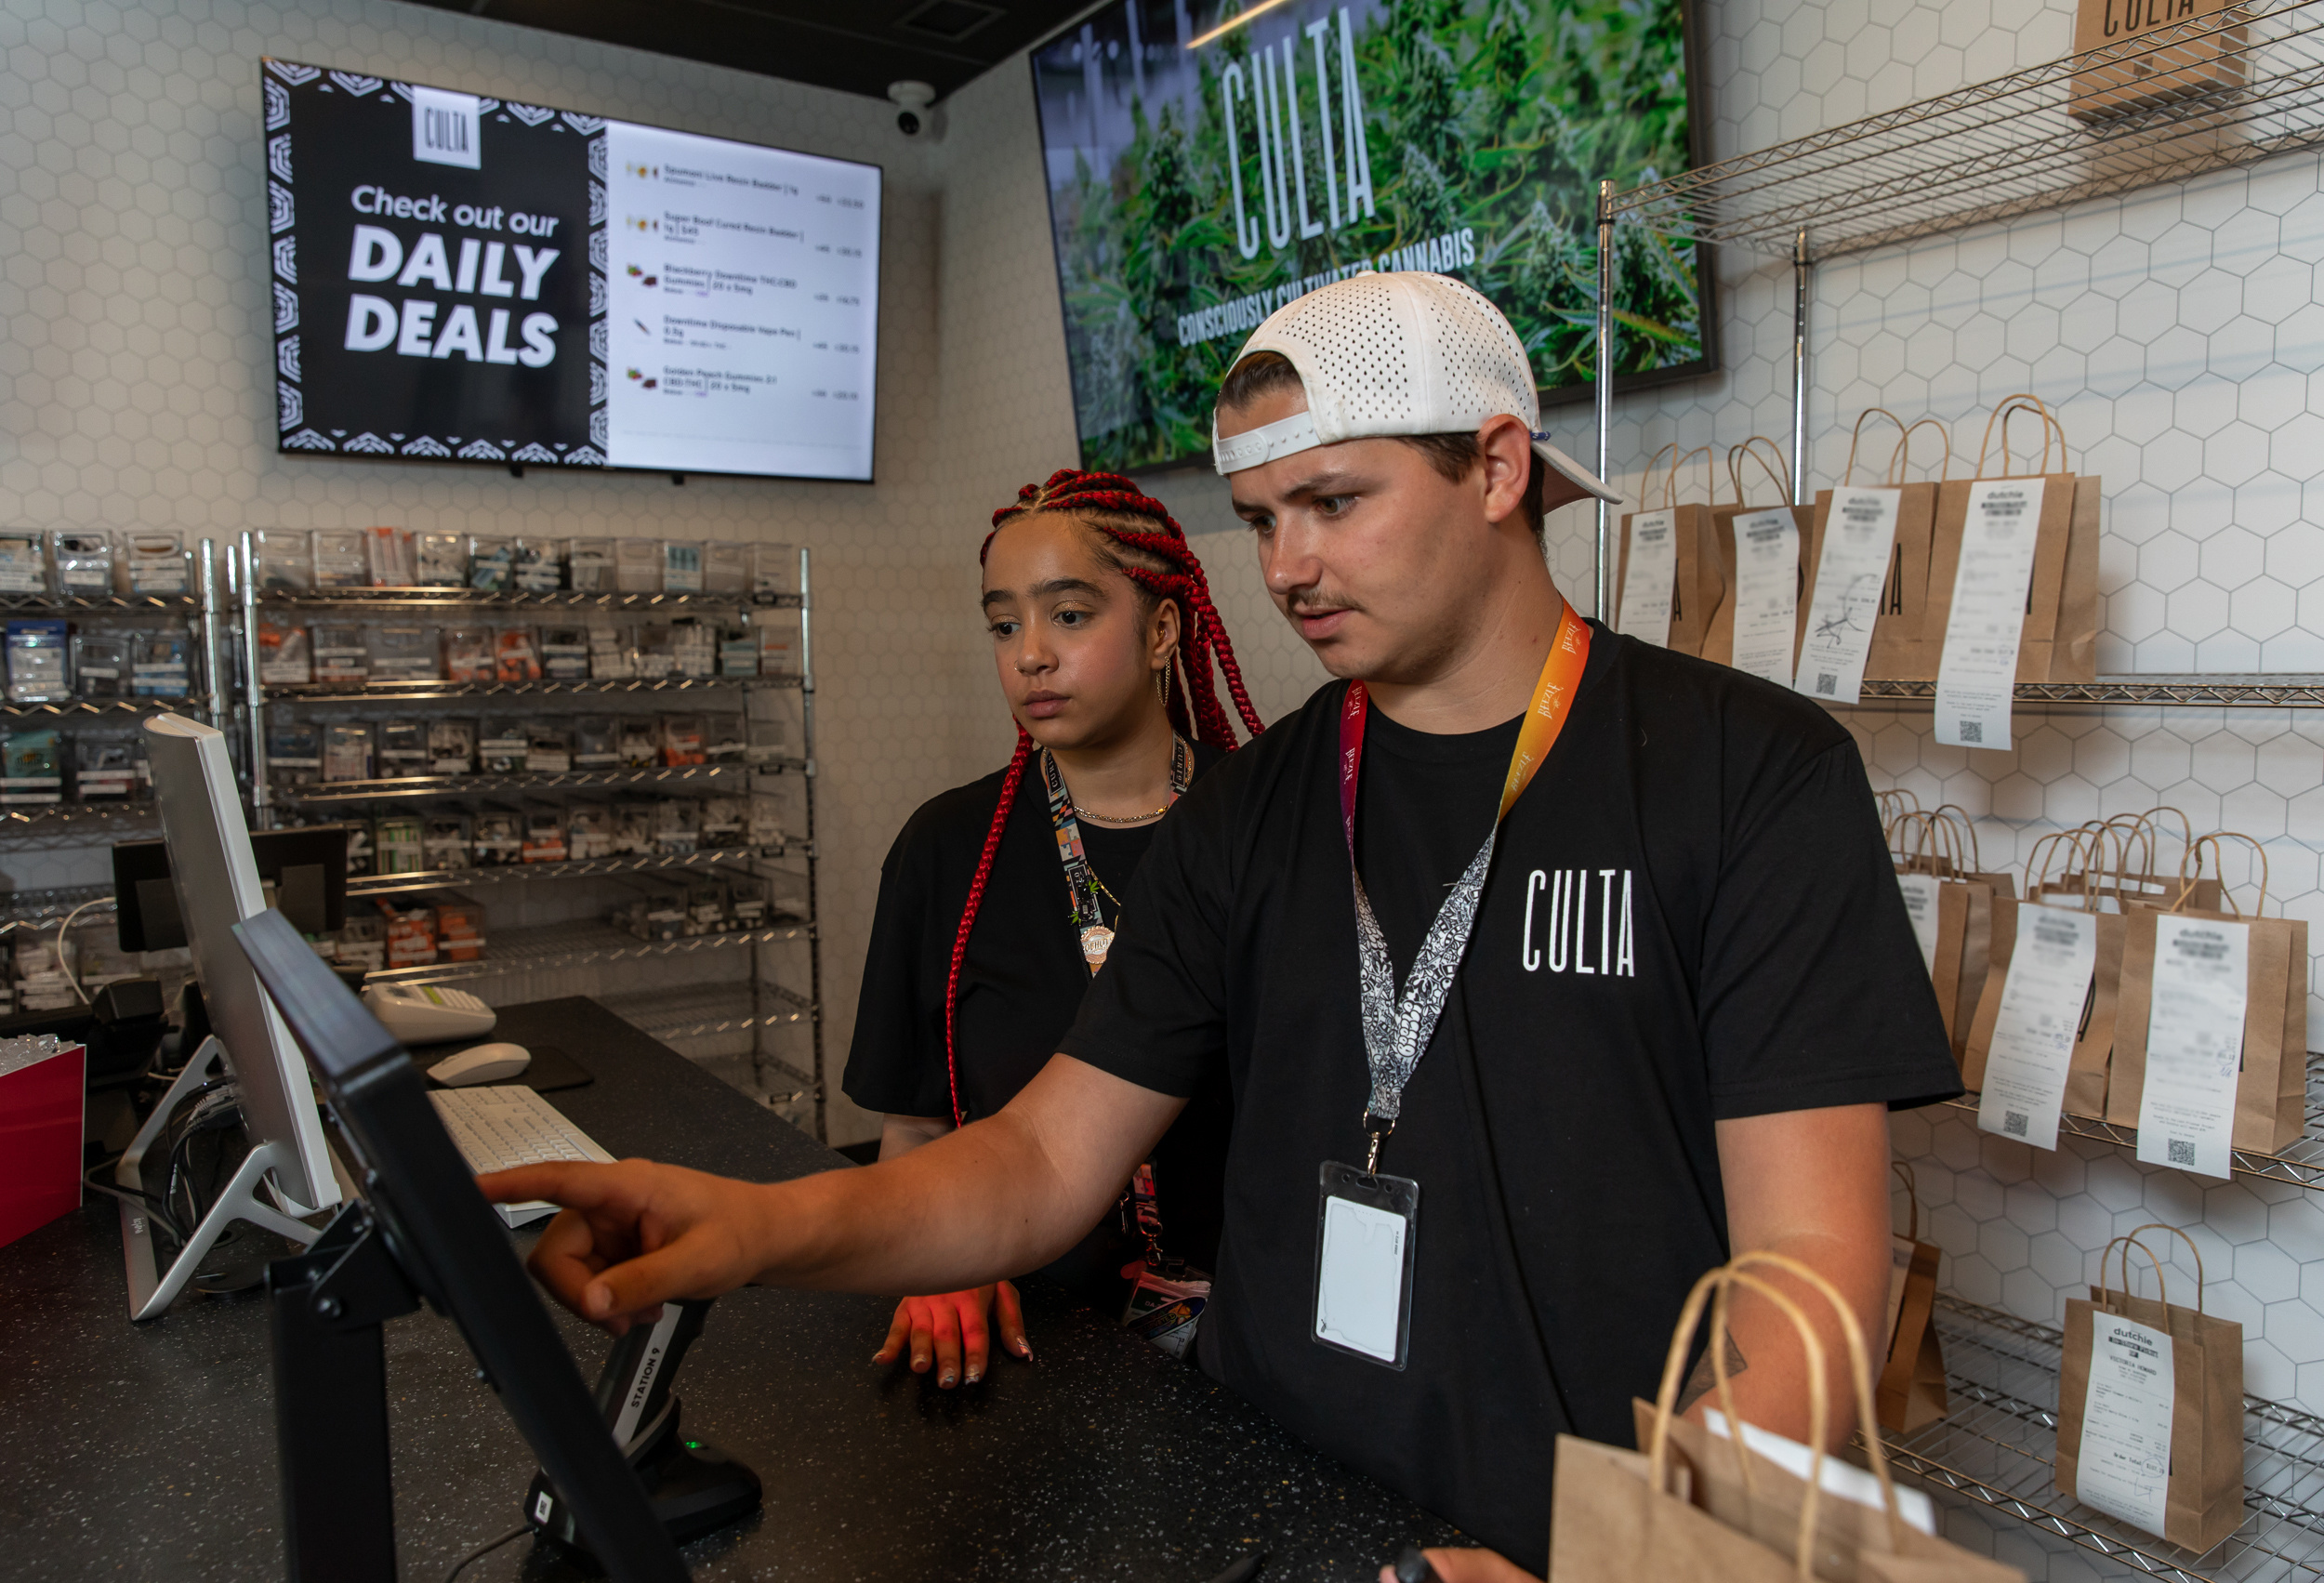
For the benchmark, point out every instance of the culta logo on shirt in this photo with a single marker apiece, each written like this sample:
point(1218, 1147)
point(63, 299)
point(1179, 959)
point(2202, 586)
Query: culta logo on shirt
point(1574, 925)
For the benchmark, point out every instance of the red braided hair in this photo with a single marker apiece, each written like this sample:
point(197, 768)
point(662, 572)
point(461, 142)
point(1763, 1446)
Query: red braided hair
point(1150, 549)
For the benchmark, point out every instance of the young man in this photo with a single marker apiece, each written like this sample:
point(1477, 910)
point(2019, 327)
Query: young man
point(1666, 987)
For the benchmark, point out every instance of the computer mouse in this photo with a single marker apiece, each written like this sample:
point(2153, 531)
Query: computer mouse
point(480, 1064)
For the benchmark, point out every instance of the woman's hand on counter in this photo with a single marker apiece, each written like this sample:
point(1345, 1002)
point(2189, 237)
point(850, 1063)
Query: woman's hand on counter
point(1468, 1566)
point(634, 1234)
point(950, 1332)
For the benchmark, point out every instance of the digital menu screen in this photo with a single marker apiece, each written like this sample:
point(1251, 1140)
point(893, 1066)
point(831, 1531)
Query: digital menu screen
point(458, 278)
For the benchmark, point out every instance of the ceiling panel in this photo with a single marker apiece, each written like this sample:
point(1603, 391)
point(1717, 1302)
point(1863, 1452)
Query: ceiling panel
point(856, 48)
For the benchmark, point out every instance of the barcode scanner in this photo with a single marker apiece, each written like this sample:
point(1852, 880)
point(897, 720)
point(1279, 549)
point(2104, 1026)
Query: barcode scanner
point(693, 1488)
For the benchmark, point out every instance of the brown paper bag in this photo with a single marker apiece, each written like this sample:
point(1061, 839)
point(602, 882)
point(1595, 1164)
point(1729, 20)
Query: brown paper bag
point(2271, 1088)
point(2093, 1040)
point(2053, 532)
point(2204, 1499)
point(1897, 626)
point(1964, 917)
point(2155, 54)
point(1911, 1394)
point(1719, 639)
point(1700, 1508)
point(1696, 585)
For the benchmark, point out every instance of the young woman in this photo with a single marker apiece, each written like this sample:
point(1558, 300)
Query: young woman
point(998, 901)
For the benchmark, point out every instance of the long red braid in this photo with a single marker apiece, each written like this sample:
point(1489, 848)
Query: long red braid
point(1139, 523)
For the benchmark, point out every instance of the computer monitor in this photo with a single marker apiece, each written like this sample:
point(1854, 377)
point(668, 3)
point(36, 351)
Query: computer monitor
point(450, 1247)
point(215, 881)
point(307, 867)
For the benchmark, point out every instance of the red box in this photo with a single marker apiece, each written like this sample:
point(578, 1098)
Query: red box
point(42, 1119)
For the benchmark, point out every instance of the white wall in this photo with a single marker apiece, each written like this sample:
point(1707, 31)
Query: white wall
point(140, 384)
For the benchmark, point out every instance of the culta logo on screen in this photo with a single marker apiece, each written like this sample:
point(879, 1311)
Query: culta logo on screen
point(374, 323)
point(1283, 171)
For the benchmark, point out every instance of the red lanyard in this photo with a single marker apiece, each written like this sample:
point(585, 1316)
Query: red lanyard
point(1553, 700)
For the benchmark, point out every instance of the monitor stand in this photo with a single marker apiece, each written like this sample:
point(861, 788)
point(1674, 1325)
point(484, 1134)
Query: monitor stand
point(331, 1414)
point(151, 1288)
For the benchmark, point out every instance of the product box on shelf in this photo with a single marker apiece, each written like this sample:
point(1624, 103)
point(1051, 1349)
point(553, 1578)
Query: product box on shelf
point(38, 662)
point(161, 665)
point(515, 655)
point(363, 943)
point(285, 560)
point(104, 769)
point(534, 568)
point(34, 766)
point(548, 749)
point(738, 652)
point(404, 748)
point(682, 567)
point(340, 558)
point(564, 653)
point(773, 570)
point(446, 842)
point(83, 563)
point(500, 835)
point(387, 557)
point(440, 561)
point(399, 843)
point(467, 655)
point(285, 658)
point(589, 565)
point(589, 831)
point(638, 565)
point(725, 567)
point(593, 743)
point(612, 653)
point(543, 834)
point(294, 748)
point(153, 564)
point(349, 752)
point(342, 654)
point(404, 653)
point(411, 934)
point(451, 748)
point(501, 745)
point(491, 563)
point(23, 563)
point(101, 665)
point(459, 927)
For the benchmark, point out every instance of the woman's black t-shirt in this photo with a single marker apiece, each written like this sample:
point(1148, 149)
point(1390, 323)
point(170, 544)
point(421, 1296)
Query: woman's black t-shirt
point(1020, 986)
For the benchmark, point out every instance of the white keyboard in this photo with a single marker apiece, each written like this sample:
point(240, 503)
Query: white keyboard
point(501, 1127)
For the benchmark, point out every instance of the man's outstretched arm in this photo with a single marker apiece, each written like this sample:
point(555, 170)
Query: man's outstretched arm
point(990, 1200)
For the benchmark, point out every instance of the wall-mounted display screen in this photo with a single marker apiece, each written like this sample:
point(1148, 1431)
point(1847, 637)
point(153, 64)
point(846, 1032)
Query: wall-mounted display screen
point(469, 279)
point(1210, 160)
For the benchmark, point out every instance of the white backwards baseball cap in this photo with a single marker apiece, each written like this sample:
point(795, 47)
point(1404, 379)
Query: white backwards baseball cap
point(1401, 353)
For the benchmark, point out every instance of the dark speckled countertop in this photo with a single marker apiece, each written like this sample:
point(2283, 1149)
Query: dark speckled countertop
point(149, 1453)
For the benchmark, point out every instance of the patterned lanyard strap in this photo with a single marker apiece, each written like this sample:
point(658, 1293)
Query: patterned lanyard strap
point(1396, 1032)
point(1081, 881)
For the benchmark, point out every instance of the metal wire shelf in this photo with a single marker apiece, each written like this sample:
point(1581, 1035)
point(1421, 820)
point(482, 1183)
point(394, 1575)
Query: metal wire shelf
point(2250, 86)
point(557, 598)
point(37, 909)
point(103, 707)
point(549, 947)
point(72, 819)
point(673, 778)
point(721, 860)
point(2276, 689)
point(99, 604)
point(709, 1010)
point(2300, 1164)
point(1999, 1448)
point(393, 691)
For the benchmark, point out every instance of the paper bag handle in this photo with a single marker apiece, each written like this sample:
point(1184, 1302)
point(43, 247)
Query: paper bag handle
point(2127, 1241)
point(2009, 407)
point(1778, 472)
point(2195, 1251)
point(1859, 1369)
point(1856, 436)
point(1671, 479)
point(1901, 458)
point(1665, 1399)
point(2186, 882)
point(1966, 826)
point(1912, 1195)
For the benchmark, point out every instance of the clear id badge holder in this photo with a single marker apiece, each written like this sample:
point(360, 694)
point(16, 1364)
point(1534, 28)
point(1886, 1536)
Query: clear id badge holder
point(1364, 1253)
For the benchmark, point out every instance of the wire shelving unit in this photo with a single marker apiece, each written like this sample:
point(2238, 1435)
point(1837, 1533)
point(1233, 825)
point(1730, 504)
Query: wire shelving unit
point(1999, 1448)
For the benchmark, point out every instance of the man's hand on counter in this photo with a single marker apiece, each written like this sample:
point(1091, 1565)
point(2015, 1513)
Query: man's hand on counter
point(949, 1332)
point(634, 1234)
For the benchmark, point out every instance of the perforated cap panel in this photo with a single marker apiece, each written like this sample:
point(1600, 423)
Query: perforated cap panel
point(1407, 354)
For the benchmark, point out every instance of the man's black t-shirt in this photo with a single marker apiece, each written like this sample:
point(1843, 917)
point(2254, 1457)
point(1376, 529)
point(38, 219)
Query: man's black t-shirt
point(1021, 983)
point(1691, 916)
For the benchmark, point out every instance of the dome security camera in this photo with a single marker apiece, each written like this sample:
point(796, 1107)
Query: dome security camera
point(915, 104)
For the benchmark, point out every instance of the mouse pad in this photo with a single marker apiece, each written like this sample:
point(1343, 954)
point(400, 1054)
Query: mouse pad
point(552, 1069)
